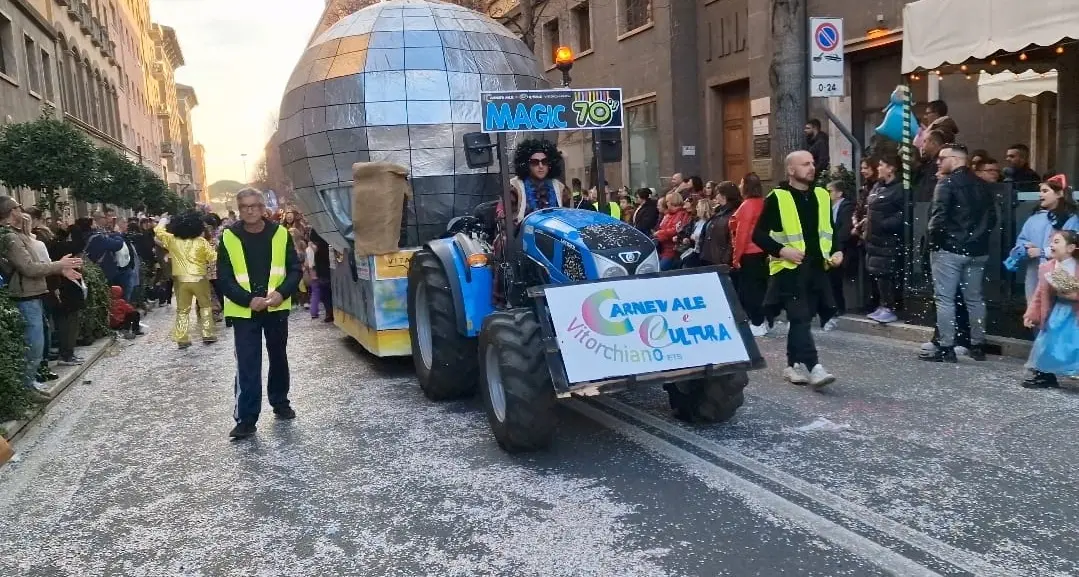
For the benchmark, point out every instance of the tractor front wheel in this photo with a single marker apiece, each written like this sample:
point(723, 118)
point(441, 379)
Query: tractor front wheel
point(516, 383)
point(445, 359)
point(711, 400)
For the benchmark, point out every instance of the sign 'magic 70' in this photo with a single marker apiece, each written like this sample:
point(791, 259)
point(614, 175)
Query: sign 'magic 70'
point(560, 109)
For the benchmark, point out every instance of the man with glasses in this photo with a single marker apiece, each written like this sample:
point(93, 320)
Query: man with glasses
point(258, 271)
point(961, 217)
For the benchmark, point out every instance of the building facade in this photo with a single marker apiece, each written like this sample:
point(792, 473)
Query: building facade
point(167, 58)
point(29, 79)
point(695, 76)
point(140, 131)
point(186, 101)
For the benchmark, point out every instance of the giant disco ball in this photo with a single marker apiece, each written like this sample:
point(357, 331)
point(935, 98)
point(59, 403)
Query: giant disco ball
point(397, 81)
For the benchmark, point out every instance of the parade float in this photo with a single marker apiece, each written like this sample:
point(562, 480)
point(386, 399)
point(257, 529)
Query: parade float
point(398, 83)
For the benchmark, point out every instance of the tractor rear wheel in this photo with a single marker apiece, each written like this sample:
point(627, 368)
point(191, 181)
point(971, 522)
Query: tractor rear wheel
point(711, 400)
point(516, 383)
point(445, 359)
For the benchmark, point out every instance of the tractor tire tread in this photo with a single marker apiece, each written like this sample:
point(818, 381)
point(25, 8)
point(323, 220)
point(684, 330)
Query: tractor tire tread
point(454, 370)
point(530, 400)
point(709, 400)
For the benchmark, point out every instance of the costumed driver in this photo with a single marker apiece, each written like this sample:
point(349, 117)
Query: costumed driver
point(537, 185)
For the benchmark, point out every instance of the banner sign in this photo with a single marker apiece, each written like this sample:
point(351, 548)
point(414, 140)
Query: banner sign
point(560, 109)
point(633, 326)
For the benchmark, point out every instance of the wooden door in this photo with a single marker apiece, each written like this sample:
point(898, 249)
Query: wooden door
point(736, 126)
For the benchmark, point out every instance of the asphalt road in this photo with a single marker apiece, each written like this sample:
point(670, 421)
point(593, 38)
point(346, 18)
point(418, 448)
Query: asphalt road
point(901, 468)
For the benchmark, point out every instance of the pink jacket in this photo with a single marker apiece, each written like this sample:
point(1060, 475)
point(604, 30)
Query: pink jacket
point(1041, 302)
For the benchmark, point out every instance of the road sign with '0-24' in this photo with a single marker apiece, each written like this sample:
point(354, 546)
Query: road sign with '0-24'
point(826, 66)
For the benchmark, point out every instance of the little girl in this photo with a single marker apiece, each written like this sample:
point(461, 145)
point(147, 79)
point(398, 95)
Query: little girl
point(1053, 309)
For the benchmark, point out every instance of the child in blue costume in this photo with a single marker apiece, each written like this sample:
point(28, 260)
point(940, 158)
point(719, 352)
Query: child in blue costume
point(1053, 309)
point(1056, 211)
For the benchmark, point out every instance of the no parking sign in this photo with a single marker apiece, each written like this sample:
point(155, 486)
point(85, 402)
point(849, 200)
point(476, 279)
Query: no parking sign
point(826, 66)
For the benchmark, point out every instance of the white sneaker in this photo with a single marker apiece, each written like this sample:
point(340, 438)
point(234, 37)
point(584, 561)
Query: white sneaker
point(43, 388)
point(797, 375)
point(758, 330)
point(831, 324)
point(819, 377)
point(962, 351)
point(929, 347)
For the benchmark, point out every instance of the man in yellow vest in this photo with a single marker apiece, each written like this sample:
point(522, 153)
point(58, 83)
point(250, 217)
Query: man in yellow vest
point(795, 229)
point(258, 271)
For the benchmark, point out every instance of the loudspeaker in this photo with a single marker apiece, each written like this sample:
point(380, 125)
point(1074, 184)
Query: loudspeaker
point(610, 144)
point(478, 150)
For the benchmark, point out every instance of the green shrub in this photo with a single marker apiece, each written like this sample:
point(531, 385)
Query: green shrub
point(14, 397)
point(94, 316)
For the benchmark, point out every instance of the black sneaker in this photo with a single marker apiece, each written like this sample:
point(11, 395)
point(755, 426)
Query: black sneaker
point(183, 346)
point(284, 413)
point(242, 430)
point(941, 355)
point(976, 352)
point(1040, 380)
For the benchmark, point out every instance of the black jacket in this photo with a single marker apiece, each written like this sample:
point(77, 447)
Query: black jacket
point(322, 256)
point(716, 247)
point(257, 248)
point(884, 229)
point(647, 217)
point(962, 215)
point(818, 147)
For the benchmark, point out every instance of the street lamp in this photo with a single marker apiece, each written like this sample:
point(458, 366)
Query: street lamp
point(243, 156)
point(563, 61)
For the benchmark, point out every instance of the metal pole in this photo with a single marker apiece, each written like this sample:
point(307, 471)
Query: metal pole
point(857, 146)
point(601, 187)
point(243, 158)
point(505, 169)
point(907, 154)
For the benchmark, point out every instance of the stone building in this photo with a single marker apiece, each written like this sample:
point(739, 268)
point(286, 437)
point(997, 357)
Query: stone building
point(140, 131)
point(694, 75)
point(29, 80)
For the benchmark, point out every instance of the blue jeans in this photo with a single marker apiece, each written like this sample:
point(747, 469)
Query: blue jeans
point(667, 263)
point(33, 315)
point(953, 273)
point(126, 280)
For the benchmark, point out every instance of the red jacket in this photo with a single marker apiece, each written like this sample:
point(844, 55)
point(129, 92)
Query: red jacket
point(1041, 302)
point(743, 221)
point(668, 229)
point(118, 307)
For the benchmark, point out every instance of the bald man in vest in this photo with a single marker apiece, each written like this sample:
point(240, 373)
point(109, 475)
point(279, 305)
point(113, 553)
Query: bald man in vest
point(258, 271)
point(795, 229)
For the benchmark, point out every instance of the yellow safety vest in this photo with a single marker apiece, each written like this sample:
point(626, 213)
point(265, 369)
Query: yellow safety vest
point(235, 249)
point(616, 209)
point(791, 235)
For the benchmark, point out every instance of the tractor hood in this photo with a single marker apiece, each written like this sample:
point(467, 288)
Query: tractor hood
point(600, 233)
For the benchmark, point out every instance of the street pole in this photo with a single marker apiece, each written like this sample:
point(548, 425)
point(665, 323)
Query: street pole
point(243, 157)
point(788, 78)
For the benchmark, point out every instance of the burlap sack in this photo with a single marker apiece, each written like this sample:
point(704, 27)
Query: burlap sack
point(379, 191)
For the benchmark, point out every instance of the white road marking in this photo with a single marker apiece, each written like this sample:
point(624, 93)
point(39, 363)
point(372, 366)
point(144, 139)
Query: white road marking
point(867, 549)
point(960, 558)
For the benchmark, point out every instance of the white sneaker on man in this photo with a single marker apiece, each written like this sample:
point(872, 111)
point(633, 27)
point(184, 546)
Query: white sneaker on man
point(758, 331)
point(797, 374)
point(819, 377)
point(831, 325)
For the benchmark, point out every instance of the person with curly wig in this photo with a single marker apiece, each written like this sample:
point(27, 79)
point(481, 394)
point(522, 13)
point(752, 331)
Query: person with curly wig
point(538, 166)
point(191, 254)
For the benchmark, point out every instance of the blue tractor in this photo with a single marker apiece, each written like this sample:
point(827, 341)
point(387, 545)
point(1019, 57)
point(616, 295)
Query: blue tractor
point(478, 317)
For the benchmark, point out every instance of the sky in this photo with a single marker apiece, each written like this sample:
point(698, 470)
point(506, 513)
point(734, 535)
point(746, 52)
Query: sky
point(239, 55)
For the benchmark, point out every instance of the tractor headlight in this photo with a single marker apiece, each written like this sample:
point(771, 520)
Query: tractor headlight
point(649, 264)
point(607, 268)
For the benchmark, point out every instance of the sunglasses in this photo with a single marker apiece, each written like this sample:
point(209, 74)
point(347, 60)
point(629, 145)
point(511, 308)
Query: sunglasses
point(538, 162)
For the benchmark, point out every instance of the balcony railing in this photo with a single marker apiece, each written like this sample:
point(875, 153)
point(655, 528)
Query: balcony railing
point(74, 10)
point(162, 110)
point(167, 149)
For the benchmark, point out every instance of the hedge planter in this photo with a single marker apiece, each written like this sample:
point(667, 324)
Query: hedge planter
point(94, 315)
point(14, 397)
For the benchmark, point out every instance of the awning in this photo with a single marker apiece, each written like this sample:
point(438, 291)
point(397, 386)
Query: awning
point(953, 31)
point(1011, 87)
